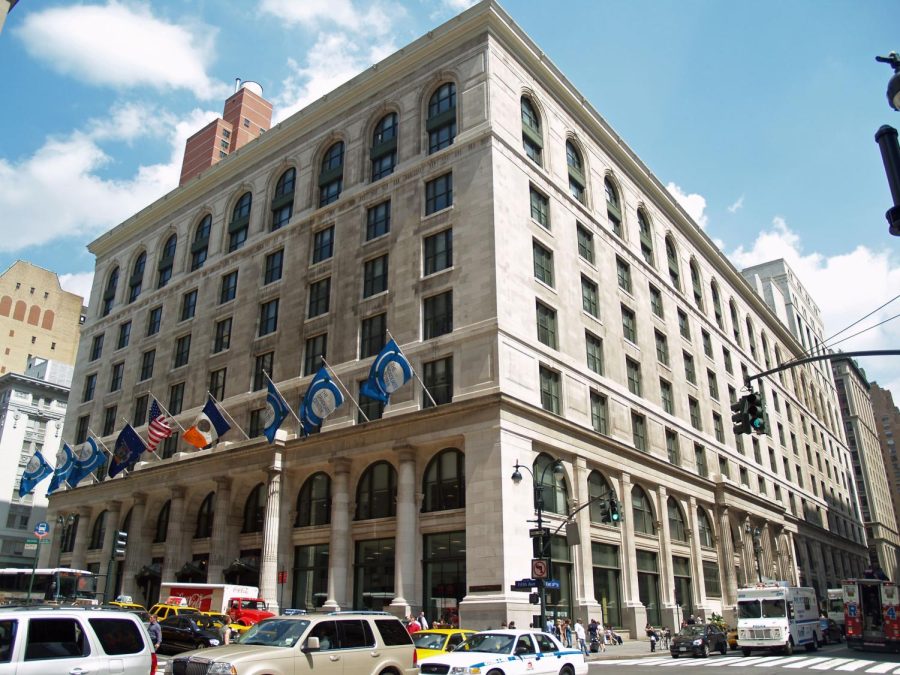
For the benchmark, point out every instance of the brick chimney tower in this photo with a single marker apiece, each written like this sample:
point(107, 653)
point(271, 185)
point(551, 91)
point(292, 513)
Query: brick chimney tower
point(246, 115)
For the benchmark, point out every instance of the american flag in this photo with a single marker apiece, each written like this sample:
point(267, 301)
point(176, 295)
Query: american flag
point(158, 429)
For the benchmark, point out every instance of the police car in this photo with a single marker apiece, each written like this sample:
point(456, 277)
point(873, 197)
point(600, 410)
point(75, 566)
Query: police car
point(507, 652)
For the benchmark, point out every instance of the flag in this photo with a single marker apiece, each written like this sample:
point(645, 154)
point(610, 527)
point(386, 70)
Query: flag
point(276, 410)
point(158, 428)
point(129, 448)
point(87, 458)
point(208, 426)
point(64, 461)
point(388, 373)
point(322, 398)
point(36, 471)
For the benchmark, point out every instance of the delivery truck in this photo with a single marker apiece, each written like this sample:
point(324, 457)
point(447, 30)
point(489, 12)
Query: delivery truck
point(776, 617)
point(241, 603)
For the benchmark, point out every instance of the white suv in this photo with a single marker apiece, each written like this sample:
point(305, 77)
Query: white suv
point(72, 640)
point(340, 643)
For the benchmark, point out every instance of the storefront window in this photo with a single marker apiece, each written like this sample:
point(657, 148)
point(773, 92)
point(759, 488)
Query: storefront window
point(310, 577)
point(607, 581)
point(681, 568)
point(374, 574)
point(648, 585)
point(445, 575)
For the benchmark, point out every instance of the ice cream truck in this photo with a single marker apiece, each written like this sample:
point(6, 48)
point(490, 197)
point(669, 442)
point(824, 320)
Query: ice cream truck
point(871, 619)
point(774, 616)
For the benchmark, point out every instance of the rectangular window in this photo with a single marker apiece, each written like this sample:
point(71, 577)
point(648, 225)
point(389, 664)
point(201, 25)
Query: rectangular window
point(594, 346)
point(726, 355)
point(274, 266)
point(90, 386)
point(228, 290)
point(694, 410)
point(589, 297)
point(683, 326)
point(81, 429)
point(372, 408)
point(268, 317)
point(438, 378)
point(257, 423)
point(372, 335)
point(549, 390)
point(222, 340)
point(263, 365)
point(700, 461)
point(585, 243)
point(438, 193)
point(639, 431)
point(315, 351)
point(375, 276)
point(623, 273)
point(690, 372)
point(323, 244)
point(713, 385)
point(707, 343)
point(148, 358)
point(540, 208)
point(124, 335)
point(176, 399)
point(109, 420)
point(543, 263)
point(724, 468)
point(378, 220)
point(154, 319)
point(656, 303)
point(140, 410)
point(662, 348)
point(672, 450)
point(599, 418)
point(718, 429)
point(711, 581)
point(182, 351)
point(546, 325)
point(217, 383)
point(438, 252)
point(629, 325)
point(665, 394)
point(189, 303)
point(437, 315)
point(633, 371)
point(319, 297)
point(96, 347)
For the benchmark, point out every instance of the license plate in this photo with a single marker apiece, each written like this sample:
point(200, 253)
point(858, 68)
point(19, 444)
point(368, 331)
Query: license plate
point(682, 649)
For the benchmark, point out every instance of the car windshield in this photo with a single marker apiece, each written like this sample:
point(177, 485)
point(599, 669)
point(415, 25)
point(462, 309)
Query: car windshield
point(425, 640)
point(761, 609)
point(691, 631)
point(492, 643)
point(275, 632)
point(253, 604)
point(836, 605)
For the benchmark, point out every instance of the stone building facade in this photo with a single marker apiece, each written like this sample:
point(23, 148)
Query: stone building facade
point(551, 294)
point(887, 420)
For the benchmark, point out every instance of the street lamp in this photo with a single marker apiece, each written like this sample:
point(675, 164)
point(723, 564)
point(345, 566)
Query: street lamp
point(556, 468)
point(886, 137)
point(757, 547)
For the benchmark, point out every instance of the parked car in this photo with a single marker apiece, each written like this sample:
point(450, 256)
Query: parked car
point(63, 640)
point(511, 651)
point(699, 640)
point(184, 632)
point(433, 641)
point(327, 644)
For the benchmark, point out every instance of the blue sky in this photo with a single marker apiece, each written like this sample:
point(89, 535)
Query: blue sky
point(759, 116)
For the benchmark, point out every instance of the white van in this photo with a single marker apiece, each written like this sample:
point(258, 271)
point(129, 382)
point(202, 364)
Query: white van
point(775, 616)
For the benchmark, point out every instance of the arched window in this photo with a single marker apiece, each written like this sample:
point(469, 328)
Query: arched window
point(314, 501)
point(765, 350)
point(98, 533)
point(550, 487)
point(331, 175)
point(532, 139)
point(109, 293)
point(384, 147)
point(34, 315)
point(642, 511)
point(239, 226)
point(751, 338)
point(441, 122)
point(136, 282)
point(575, 164)
point(376, 494)
point(68, 535)
point(283, 200)
point(696, 285)
point(672, 260)
point(444, 485)
point(613, 207)
point(599, 492)
point(717, 304)
point(646, 236)
point(205, 517)
point(5, 305)
point(166, 261)
point(255, 510)
point(47, 320)
point(162, 523)
point(676, 521)
point(735, 322)
point(704, 528)
point(200, 245)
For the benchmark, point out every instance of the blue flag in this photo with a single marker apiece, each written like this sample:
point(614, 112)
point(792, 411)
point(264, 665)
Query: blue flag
point(322, 398)
point(64, 461)
point(128, 450)
point(388, 373)
point(36, 471)
point(276, 410)
point(87, 458)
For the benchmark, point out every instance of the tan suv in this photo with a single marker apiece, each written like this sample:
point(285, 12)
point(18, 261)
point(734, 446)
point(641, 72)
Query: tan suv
point(361, 643)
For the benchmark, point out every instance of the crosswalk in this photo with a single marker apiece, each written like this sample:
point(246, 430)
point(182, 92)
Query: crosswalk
point(846, 665)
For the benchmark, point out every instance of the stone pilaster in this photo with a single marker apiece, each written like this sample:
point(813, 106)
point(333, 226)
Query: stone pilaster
point(669, 610)
point(268, 569)
point(405, 542)
point(174, 534)
point(726, 556)
point(634, 615)
point(698, 585)
point(218, 544)
point(82, 534)
point(136, 551)
point(108, 565)
point(585, 597)
point(339, 545)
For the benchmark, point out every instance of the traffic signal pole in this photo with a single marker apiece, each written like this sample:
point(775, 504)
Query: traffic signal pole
point(820, 357)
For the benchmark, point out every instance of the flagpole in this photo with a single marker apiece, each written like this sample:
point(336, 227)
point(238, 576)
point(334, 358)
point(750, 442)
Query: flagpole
point(168, 414)
point(343, 386)
point(146, 444)
point(222, 408)
point(103, 447)
point(275, 387)
point(413, 370)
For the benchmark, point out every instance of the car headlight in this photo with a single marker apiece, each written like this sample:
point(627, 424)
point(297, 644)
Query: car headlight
point(697, 643)
point(220, 668)
point(214, 642)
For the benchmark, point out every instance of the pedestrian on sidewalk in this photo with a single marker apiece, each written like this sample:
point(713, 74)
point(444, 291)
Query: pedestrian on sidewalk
point(651, 633)
point(579, 636)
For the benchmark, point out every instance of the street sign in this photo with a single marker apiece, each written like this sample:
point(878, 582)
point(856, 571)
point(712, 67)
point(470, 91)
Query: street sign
point(31, 545)
point(536, 532)
point(42, 529)
point(551, 583)
point(525, 584)
point(540, 568)
point(282, 577)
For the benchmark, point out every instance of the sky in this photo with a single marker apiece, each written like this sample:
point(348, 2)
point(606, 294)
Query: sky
point(758, 117)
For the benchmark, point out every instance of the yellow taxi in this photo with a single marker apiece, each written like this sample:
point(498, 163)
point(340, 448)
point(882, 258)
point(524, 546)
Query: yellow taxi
point(434, 641)
point(163, 611)
point(128, 605)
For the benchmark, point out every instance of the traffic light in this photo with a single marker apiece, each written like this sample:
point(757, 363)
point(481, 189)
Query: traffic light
point(615, 511)
point(604, 511)
point(121, 543)
point(756, 413)
point(740, 417)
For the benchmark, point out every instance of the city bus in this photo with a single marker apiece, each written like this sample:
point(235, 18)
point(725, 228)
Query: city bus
point(55, 585)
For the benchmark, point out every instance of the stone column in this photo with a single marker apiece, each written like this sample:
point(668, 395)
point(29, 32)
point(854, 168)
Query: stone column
point(804, 564)
point(698, 585)
point(107, 566)
point(767, 556)
point(268, 570)
point(407, 526)
point(669, 610)
point(82, 534)
point(726, 556)
point(634, 616)
point(136, 551)
point(791, 563)
point(175, 534)
point(218, 544)
point(339, 545)
point(583, 569)
point(820, 574)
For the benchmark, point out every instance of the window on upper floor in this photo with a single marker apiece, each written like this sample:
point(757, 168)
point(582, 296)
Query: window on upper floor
point(372, 335)
point(375, 276)
point(613, 207)
point(323, 244)
point(540, 207)
point(228, 289)
point(546, 325)
point(189, 305)
point(283, 199)
point(438, 193)
point(441, 121)
point(268, 317)
point(532, 139)
point(438, 252)
point(200, 245)
point(590, 297)
point(550, 390)
point(633, 373)
point(136, 280)
point(543, 263)
point(623, 274)
point(656, 303)
point(696, 285)
point(575, 166)
point(437, 315)
point(646, 235)
point(319, 297)
point(594, 349)
point(166, 261)
point(239, 227)
point(585, 242)
point(672, 260)
point(629, 324)
point(273, 267)
point(383, 152)
point(378, 220)
point(124, 335)
point(109, 291)
point(331, 174)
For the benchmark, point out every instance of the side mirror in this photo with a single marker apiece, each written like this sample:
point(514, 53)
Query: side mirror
point(312, 644)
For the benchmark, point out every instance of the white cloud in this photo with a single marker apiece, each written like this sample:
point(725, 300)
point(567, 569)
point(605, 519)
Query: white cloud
point(376, 18)
point(78, 283)
point(734, 208)
point(693, 203)
point(123, 47)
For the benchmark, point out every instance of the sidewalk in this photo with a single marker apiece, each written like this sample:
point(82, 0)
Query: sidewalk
point(630, 649)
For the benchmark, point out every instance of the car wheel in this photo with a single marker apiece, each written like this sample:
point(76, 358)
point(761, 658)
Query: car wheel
point(674, 655)
point(723, 649)
point(746, 651)
point(496, 672)
point(199, 645)
point(789, 647)
point(566, 670)
point(705, 651)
